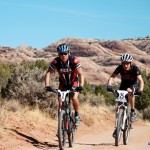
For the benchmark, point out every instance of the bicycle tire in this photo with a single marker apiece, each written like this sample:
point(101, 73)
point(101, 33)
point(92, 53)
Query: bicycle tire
point(61, 129)
point(118, 128)
point(71, 131)
point(126, 132)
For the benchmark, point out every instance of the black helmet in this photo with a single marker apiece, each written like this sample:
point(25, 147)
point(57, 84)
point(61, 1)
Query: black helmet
point(63, 48)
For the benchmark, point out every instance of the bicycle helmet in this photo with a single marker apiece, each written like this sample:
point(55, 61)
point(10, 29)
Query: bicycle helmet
point(126, 57)
point(63, 48)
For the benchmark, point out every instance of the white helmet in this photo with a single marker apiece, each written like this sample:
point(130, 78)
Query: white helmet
point(126, 57)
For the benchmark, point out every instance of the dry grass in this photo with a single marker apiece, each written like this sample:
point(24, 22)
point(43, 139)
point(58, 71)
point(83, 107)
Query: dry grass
point(39, 117)
point(14, 116)
point(93, 115)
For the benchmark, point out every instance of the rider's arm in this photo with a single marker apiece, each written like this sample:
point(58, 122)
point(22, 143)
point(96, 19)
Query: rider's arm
point(115, 73)
point(141, 82)
point(52, 67)
point(47, 77)
point(81, 76)
point(110, 80)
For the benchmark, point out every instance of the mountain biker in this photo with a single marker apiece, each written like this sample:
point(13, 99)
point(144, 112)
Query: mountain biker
point(131, 79)
point(70, 75)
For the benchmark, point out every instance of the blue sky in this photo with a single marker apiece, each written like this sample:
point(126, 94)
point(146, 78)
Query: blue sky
point(39, 23)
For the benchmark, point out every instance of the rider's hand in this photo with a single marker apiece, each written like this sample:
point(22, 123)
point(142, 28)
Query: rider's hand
point(79, 88)
point(109, 88)
point(138, 92)
point(48, 88)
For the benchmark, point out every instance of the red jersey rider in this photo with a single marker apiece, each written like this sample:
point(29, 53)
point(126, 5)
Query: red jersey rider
point(70, 75)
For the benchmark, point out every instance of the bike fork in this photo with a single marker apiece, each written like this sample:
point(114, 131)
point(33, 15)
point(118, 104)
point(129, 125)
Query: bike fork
point(123, 119)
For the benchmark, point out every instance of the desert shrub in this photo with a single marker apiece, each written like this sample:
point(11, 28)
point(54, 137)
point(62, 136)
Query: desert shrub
point(109, 98)
point(146, 114)
point(5, 73)
point(27, 85)
point(96, 95)
point(24, 83)
point(92, 99)
point(88, 95)
point(87, 88)
point(41, 64)
point(143, 101)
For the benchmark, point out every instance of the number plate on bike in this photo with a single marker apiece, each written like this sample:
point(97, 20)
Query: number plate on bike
point(121, 96)
point(63, 94)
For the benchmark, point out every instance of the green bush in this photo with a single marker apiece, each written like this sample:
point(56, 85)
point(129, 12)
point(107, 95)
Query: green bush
point(5, 73)
point(87, 88)
point(97, 94)
point(146, 114)
point(40, 64)
point(26, 84)
point(144, 101)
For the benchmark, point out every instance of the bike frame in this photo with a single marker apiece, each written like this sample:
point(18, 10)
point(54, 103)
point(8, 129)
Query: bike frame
point(124, 105)
point(66, 123)
point(124, 116)
point(122, 123)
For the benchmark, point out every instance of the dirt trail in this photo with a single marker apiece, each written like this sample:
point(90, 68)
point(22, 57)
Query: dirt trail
point(31, 130)
point(140, 136)
point(87, 138)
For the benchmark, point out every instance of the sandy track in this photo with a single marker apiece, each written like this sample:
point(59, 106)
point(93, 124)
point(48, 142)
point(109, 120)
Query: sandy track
point(139, 139)
point(86, 139)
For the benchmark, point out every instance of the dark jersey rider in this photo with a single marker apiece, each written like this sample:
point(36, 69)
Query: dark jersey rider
point(130, 79)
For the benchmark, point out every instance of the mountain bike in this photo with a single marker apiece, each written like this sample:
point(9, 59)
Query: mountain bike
point(122, 122)
point(66, 120)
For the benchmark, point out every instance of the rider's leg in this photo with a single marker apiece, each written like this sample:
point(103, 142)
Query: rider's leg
point(132, 104)
point(132, 101)
point(59, 101)
point(75, 103)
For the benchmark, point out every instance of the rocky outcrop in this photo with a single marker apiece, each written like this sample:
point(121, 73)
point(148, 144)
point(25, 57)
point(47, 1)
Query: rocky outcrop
point(98, 57)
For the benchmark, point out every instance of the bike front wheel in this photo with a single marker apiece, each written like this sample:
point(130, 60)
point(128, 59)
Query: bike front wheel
point(71, 130)
point(61, 129)
point(119, 121)
point(126, 132)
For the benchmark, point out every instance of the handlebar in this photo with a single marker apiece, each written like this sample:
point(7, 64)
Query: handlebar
point(131, 93)
point(62, 94)
point(60, 91)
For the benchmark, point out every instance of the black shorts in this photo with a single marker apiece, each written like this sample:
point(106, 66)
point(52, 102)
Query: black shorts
point(125, 85)
point(68, 87)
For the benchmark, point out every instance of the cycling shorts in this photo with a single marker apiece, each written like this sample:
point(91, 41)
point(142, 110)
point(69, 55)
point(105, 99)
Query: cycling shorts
point(124, 86)
point(68, 87)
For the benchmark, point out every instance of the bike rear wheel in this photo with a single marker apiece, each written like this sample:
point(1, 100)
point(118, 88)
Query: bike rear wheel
point(61, 129)
point(126, 132)
point(71, 131)
point(118, 127)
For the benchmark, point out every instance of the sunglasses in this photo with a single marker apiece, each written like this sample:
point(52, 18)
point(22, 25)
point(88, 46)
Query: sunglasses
point(63, 54)
point(125, 63)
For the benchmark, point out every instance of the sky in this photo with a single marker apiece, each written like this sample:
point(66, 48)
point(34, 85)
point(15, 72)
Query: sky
point(39, 23)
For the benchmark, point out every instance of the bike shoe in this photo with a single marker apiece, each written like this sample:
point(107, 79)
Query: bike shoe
point(77, 120)
point(132, 116)
point(114, 133)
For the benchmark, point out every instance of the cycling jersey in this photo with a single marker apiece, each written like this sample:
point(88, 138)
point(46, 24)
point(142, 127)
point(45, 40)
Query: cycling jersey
point(128, 77)
point(68, 76)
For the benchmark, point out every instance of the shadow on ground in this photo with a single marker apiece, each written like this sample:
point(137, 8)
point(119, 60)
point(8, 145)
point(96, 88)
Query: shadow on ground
point(34, 142)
